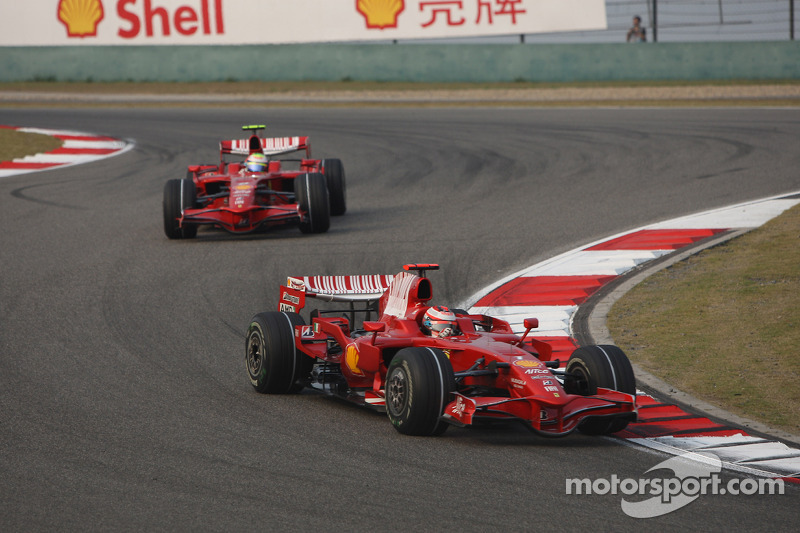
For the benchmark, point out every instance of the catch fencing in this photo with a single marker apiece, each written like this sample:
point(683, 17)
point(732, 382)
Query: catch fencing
point(691, 21)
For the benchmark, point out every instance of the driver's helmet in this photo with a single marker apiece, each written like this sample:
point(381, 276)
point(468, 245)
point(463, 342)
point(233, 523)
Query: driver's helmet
point(256, 162)
point(440, 321)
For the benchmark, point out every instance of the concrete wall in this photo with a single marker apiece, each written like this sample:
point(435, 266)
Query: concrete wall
point(406, 62)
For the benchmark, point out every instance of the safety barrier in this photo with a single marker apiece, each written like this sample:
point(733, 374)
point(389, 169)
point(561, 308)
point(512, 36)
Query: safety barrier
point(406, 62)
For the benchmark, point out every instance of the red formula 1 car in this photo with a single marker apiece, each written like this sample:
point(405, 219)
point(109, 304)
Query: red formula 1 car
point(229, 196)
point(392, 360)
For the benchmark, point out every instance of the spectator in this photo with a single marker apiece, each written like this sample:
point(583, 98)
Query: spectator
point(637, 34)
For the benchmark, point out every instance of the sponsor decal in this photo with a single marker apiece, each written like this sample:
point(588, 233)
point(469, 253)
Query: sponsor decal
point(551, 388)
point(153, 19)
point(477, 13)
point(80, 17)
point(289, 298)
point(459, 407)
point(527, 363)
point(242, 190)
point(351, 360)
point(306, 331)
point(148, 18)
point(537, 371)
point(380, 14)
point(296, 284)
point(229, 22)
point(287, 308)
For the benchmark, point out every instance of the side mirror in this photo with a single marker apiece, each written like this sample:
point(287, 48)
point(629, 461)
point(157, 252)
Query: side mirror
point(529, 323)
point(375, 327)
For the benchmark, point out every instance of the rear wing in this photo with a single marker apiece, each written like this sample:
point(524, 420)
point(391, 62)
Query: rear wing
point(269, 146)
point(362, 288)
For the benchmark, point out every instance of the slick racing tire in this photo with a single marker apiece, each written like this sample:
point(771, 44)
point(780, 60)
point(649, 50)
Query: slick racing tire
point(312, 196)
point(419, 385)
point(274, 365)
point(604, 366)
point(337, 189)
point(179, 195)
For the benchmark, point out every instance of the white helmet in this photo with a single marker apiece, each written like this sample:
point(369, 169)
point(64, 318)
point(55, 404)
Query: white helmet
point(440, 321)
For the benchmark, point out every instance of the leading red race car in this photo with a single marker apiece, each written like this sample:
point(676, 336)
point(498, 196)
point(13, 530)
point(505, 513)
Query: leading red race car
point(230, 196)
point(474, 370)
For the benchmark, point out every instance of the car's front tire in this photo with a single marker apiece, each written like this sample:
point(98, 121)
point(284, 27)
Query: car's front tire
point(419, 385)
point(179, 195)
point(312, 196)
point(604, 366)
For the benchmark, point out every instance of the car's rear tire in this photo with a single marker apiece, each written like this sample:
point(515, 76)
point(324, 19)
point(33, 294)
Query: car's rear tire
point(419, 385)
point(604, 366)
point(337, 188)
point(179, 195)
point(274, 364)
point(312, 196)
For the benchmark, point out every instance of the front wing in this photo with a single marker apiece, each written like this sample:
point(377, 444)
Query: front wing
point(243, 220)
point(546, 417)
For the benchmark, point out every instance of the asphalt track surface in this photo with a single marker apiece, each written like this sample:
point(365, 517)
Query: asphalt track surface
point(125, 404)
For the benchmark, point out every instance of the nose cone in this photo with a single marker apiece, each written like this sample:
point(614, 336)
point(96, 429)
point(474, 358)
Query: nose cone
point(529, 377)
point(243, 192)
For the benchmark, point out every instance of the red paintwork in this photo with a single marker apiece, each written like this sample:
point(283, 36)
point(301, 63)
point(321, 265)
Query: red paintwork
point(656, 239)
point(23, 165)
point(544, 290)
point(241, 202)
point(523, 388)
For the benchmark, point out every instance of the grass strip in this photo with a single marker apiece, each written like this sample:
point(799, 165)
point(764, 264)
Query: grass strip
point(15, 144)
point(724, 325)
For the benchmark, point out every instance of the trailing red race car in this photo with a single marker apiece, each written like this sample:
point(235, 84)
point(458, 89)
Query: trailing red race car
point(245, 196)
point(428, 367)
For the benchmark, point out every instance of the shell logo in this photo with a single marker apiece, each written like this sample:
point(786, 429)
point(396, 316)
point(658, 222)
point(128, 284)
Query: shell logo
point(380, 13)
point(81, 17)
point(351, 360)
point(527, 363)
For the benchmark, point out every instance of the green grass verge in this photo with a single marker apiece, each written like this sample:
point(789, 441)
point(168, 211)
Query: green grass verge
point(724, 325)
point(15, 144)
point(484, 94)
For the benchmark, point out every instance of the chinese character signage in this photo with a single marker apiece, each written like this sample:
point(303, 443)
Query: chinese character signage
point(193, 22)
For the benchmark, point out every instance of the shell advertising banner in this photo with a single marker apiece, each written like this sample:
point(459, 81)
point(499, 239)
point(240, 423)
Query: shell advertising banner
point(210, 22)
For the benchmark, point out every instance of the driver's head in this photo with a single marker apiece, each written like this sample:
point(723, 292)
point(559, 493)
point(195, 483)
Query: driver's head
point(439, 321)
point(256, 162)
